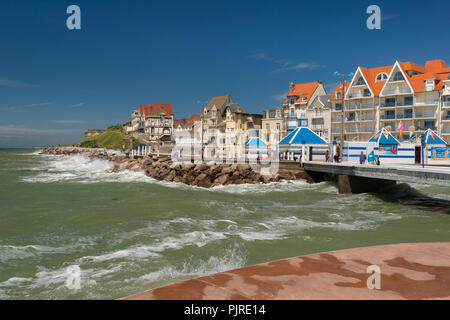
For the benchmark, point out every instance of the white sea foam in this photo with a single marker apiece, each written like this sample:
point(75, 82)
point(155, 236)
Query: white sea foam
point(232, 259)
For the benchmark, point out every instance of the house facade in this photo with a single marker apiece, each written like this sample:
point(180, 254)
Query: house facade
point(388, 97)
point(298, 100)
point(272, 125)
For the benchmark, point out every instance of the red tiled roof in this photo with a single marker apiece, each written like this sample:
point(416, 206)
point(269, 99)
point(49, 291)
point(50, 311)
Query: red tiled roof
point(371, 77)
point(306, 89)
point(339, 88)
point(155, 109)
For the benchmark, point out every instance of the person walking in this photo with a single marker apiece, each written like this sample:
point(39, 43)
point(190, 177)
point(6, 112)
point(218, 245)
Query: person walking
point(362, 158)
point(203, 153)
point(327, 156)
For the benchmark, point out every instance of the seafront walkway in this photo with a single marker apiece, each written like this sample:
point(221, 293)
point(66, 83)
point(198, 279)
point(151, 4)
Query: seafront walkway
point(356, 178)
point(407, 271)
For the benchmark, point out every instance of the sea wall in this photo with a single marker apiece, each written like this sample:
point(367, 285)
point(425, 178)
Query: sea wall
point(198, 174)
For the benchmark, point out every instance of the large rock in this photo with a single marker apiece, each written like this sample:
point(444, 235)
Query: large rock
point(203, 180)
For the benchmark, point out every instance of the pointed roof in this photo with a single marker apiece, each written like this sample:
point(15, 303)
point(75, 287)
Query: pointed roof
point(219, 102)
point(384, 137)
point(432, 138)
point(303, 135)
point(155, 109)
point(255, 141)
point(303, 89)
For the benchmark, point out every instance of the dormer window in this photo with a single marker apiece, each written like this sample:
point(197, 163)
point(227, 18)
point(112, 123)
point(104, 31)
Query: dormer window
point(398, 76)
point(382, 77)
point(429, 85)
point(292, 100)
point(303, 97)
point(338, 95)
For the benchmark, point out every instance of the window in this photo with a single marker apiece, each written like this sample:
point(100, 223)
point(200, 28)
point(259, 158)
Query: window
point(381, 76)
point(366, 93)
point(360, 82)
point(302, 122)
point(292, 100)
point(398, 76)
point(430, 125)
point(267, 126)
point(338, 106)
point(278, 126)
point(390, 114)
point(408, 114)
point(430, 85)
point(303, 97)
point(213, 121)
point(408, 101)
point(390, 102)
point(214, 113)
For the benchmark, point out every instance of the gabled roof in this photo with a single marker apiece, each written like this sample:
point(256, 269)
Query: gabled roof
point(155, 109)
point(432, 138)
point(303, 89)
point(384, 137)
point(255, 142)
point(371, 77)
point(234, 108)
point(303, 135)
point(219, 102)
point(324, 100)
point(339, 89)
point(192, 119)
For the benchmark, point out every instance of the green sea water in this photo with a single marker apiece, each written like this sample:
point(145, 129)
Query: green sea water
point(127, 233)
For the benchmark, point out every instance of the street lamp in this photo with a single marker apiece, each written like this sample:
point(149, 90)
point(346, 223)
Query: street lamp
point(336, 73)
point(203, 103)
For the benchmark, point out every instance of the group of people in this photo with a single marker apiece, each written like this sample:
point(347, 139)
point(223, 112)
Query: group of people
point(371, 159)
point(336, 157)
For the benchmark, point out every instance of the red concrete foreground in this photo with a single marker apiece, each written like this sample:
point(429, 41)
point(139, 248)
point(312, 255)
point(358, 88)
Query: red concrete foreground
point(408, 271)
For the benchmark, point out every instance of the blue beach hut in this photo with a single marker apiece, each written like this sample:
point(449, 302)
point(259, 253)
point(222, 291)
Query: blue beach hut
point(384, 137)
point(255, 145)
point(437, 151)
point(302, 140)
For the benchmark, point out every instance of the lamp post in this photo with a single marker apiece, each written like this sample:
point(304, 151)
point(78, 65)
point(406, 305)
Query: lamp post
point(203, 103)
point(336, 73)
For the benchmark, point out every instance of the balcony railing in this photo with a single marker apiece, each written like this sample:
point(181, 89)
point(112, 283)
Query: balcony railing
point(404, 116)
point(396, 91)
point(367, 129)
point(357, 95)
point(396, 104)
point(446, 117)
point(336, 130)
point(336, 119)
point(446, 103)
point(367, 118)
point(423, 115)
point(446, 130)
point(387, 117)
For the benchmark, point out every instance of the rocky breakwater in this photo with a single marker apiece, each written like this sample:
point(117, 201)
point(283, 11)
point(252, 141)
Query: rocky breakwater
point(205, 174)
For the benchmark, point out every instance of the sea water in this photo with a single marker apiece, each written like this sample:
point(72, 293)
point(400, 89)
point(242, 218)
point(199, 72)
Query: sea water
point(125, 232)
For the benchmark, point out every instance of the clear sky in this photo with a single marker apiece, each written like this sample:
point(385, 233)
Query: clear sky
point(55, 83)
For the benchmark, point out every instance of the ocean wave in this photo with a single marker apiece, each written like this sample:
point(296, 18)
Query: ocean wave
point(232, 259)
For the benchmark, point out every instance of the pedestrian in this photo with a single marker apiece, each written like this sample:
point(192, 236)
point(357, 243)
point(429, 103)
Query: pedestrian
point(371, 158)
point(336, 157)
point(327, 156)
point(362, 158)
point(203, 152)
point(378, 161)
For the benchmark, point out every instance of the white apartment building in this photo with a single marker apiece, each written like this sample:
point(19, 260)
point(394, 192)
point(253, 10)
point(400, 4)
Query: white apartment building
point(404, 93)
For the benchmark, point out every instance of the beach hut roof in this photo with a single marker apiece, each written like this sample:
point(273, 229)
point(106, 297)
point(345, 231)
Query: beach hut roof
point(384, 137)
point(303, 135)
point(432, 138)
point(255, 141)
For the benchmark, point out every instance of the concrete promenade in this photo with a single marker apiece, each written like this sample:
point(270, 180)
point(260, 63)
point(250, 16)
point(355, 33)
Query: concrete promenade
point(433, 175)
point(408, 271)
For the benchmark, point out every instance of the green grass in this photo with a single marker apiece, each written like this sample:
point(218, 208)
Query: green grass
point(112, 138)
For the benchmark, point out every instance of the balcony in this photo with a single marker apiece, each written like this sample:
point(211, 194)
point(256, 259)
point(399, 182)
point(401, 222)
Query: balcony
point(367, 118)
point(336, 130)
point(446, 104)
point(423, 115)
point(367, 106)
point(396, 104)
point(387, 117)
point(446, 130)
point(390, 92)
point(427, 102)
point(292, 115)
point(404, 116)
point(367, 130)
point(446, 117)
point(357, 95)
point(336, 119)
point(318, 127)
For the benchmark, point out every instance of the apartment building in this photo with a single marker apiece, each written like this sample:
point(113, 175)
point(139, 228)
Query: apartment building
point(318, 116)
point(405, 94)
point(272, 124)
point(297, 103)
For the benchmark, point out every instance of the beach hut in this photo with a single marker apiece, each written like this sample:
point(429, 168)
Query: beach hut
point(305, 143)
point(255, 146)
point(436, 149)
point(390, 150)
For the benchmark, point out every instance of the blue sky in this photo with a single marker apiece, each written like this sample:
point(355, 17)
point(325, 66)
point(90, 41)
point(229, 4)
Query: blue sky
point(55, 83)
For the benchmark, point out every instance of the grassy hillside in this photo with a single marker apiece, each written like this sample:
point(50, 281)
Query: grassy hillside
point(111, 138)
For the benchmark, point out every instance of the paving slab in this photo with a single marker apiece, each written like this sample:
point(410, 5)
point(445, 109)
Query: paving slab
point(407, 271)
